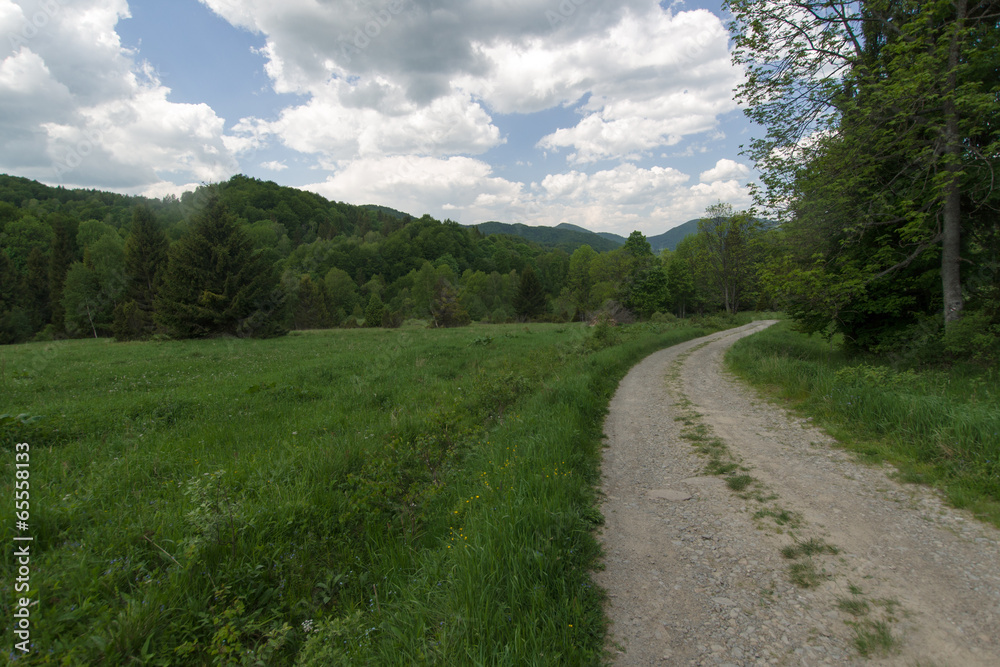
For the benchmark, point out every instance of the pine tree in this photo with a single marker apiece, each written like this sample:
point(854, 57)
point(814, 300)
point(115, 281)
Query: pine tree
point(216, 284)
point(310, 310)
point(373, 313)
point(529, 302)
point(145, 260)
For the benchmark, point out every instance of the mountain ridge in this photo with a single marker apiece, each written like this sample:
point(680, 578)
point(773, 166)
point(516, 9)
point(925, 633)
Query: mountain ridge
point(569, 237)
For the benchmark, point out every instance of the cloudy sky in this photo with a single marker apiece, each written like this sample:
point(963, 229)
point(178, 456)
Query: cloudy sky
point(610, 114)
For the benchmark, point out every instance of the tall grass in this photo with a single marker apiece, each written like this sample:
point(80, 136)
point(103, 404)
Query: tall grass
point(939, 426)
point(343, 497)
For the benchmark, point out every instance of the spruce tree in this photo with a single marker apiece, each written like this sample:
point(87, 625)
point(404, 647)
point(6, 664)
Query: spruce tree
point(529, 302)
point(216, 284)
point(145, 261)
point(310, 310)
point(374, 311)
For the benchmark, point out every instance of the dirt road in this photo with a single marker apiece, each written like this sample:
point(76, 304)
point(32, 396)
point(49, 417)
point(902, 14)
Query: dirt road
point(695, 570)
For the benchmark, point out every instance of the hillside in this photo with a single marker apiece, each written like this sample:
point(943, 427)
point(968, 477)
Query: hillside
point(570, 237)
point(669, 239)
point(564, 237)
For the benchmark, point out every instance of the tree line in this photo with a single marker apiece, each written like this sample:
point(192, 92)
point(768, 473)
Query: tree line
point(882, 143)
point(250, 258)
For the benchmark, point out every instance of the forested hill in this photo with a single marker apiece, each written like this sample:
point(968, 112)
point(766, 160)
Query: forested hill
point(570, 237)
point(565, 236)
point(249, 257)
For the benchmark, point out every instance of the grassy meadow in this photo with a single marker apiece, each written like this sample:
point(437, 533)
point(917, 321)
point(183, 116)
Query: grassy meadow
point(939, 426)
point(395, 497)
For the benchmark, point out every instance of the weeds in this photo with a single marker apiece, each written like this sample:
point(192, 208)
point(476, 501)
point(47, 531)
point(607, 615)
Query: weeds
point(873, 638)
point(805, 575)
point(810, 547)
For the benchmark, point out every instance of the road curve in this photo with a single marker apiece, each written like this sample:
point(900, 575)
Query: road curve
point(695, 572)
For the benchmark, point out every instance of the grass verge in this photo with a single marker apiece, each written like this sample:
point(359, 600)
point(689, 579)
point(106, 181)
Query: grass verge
point(939, 427)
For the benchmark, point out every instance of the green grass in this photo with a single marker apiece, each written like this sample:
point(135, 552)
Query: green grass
point(854, 606)
point(873, 638)
point(938, 426)
point(805, 575)
point(811, 547)
point(355, 496)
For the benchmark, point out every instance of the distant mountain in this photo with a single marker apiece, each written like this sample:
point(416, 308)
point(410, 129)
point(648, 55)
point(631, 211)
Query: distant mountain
point(570, 237)
point(567, 237)
point(669, 239)
point(614, 238)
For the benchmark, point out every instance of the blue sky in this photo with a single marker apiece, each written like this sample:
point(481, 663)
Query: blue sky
point(612, 115)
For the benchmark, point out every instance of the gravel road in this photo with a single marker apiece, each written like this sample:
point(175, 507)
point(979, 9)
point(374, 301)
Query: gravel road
point(695, 572)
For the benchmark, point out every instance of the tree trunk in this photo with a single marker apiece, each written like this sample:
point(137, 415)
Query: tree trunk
point(951, 275)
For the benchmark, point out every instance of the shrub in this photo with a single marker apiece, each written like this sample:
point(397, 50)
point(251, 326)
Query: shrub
point(663, 318)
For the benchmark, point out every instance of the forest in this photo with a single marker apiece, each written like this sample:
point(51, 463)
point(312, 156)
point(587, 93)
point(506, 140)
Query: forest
point(252, 259)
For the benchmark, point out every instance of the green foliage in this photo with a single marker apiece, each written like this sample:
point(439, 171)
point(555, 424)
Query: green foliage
point(310, 310)
point(651, 295)
point(215, 282)
point(373, 313)
point(446, 309)
point(882, 238)
point(81, 302)
point(217, 286)
point(145, 261)
point(530, 300)
point(975, 336)
point(729, 251)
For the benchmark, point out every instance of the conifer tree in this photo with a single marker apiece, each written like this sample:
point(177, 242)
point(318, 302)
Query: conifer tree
point(373, 313)
point(529, 302)
point(215, 283)
point(145, 261)
point(310, 310)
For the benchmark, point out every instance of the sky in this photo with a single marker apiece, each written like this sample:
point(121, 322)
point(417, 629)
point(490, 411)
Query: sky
point(614, 115)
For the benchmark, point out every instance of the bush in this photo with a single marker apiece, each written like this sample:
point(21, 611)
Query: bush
point(663, 318)
point(392, 319)
point(611, 311)
point(973, 337)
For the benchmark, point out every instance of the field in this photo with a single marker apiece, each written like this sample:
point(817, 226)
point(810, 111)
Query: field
point(939, 426)
point(351, 496)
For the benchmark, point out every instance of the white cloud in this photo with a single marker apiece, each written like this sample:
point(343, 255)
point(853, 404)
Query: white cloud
point(78, 110)
point(419, 185)
point(347, 120)
point(725, 170)
point(654, 79)
point(274, 165)
point(412, 84)
point(690, 203)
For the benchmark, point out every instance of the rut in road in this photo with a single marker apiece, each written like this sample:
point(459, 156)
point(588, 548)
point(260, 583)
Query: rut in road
point(695, 572)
